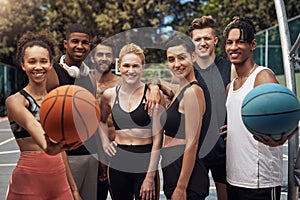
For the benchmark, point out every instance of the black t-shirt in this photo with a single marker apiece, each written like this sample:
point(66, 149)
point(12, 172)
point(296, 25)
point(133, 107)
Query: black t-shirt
point(90, 145)
point(211, 80)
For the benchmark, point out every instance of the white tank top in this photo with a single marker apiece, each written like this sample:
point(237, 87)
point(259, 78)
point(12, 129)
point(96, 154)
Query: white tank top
point(249, 163)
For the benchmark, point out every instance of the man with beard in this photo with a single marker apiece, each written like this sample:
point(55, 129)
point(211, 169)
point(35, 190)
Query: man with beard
point(72, 70)
point(102, 58)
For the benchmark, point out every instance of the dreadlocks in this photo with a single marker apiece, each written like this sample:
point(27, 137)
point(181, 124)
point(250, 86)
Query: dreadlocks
point(246, 27)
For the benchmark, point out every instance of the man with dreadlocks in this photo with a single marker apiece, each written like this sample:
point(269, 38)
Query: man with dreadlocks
point(254, 168)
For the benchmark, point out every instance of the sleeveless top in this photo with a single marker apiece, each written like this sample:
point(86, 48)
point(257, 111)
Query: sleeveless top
point(90, 145)
point(34, 108)
point(249, 163)
point(138, 118)
point(172, 120)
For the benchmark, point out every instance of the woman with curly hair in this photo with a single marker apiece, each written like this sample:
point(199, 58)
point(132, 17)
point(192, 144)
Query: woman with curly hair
point(42, 171)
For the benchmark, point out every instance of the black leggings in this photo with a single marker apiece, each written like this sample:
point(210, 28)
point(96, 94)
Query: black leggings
point(127, 171)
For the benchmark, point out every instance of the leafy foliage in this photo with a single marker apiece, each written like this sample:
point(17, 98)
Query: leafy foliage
point(112, 17)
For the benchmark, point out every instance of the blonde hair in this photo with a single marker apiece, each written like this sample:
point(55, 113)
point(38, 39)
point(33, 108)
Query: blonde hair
point(132, 48)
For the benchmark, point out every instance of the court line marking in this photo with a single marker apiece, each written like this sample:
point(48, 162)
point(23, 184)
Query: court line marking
point(5, 129)
point(8, 152)
point(7, 141)
point(8, 165)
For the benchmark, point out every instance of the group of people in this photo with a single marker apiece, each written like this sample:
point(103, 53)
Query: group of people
point(198, 130)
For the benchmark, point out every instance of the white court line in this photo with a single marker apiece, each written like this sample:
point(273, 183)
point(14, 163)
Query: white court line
point(4, 129)
point(8, 165)
point(6, 141)
point(8, 152)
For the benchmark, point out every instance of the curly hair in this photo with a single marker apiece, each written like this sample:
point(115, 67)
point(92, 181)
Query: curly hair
point(30, 39)
point(246, 27)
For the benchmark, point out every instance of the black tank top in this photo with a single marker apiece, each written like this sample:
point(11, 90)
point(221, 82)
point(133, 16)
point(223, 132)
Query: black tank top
point(172, 120)
point(34, 108)
point(138, 118)
point(65, 79)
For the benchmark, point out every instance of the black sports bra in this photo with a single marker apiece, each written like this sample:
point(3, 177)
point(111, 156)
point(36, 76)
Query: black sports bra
point(137, 118)
point(172, 120)
point(34, 108)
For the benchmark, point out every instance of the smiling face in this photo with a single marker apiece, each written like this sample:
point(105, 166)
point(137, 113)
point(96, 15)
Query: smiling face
point(36, 63)
point(77, 47)
point(131, 68)
point(237, 49)
point(180, 62)
point(103, 58)
point(205, 41)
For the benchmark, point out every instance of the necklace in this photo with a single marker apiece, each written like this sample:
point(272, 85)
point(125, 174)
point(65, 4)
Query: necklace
point(251, 70)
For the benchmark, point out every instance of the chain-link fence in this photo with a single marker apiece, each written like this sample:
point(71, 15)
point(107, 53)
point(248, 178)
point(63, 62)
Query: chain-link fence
point(8, 83)
point(268, 52)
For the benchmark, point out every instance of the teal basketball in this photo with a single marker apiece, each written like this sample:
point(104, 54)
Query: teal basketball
point(271, 109)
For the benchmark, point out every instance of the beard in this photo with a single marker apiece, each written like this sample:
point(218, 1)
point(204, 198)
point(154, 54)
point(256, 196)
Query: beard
point(104, 70)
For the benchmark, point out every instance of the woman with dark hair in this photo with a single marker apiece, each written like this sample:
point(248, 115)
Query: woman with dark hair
point(183, 172)
point(42, 171)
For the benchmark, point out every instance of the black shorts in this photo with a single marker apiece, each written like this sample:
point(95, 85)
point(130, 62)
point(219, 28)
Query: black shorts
point(218, 172)
point(172, 158)
point(239, 193)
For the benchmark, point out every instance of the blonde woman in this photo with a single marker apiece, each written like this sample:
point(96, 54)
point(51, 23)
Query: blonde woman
point(135, 150)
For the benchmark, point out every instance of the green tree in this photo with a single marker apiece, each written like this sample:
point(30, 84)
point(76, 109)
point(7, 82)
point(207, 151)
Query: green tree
point(112, 17)
point(17, 17)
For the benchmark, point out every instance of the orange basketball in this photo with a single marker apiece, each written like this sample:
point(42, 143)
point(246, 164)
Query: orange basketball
point(71, 113)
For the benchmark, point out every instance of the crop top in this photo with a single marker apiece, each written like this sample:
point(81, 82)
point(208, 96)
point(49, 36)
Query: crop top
point(172, 120)
point(137, 118)
point(34, 108)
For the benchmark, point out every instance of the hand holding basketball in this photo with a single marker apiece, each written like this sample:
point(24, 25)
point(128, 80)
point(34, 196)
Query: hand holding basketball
point(69, 113)
point(271, 110)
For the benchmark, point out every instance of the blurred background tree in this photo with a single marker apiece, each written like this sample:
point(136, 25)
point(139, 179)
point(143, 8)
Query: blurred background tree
point(111, 17)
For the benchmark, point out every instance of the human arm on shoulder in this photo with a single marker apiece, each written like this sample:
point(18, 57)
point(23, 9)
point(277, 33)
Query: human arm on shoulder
point(155, 86)
point(70, 177)
point(193, 121)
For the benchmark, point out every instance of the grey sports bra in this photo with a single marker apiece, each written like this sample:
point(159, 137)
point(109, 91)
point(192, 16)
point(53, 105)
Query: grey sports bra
point(34, 108)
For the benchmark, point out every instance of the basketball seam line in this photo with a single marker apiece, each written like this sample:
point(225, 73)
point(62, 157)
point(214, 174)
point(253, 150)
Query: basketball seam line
point(85, 125)
point(265, 114)
point(266, 93)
